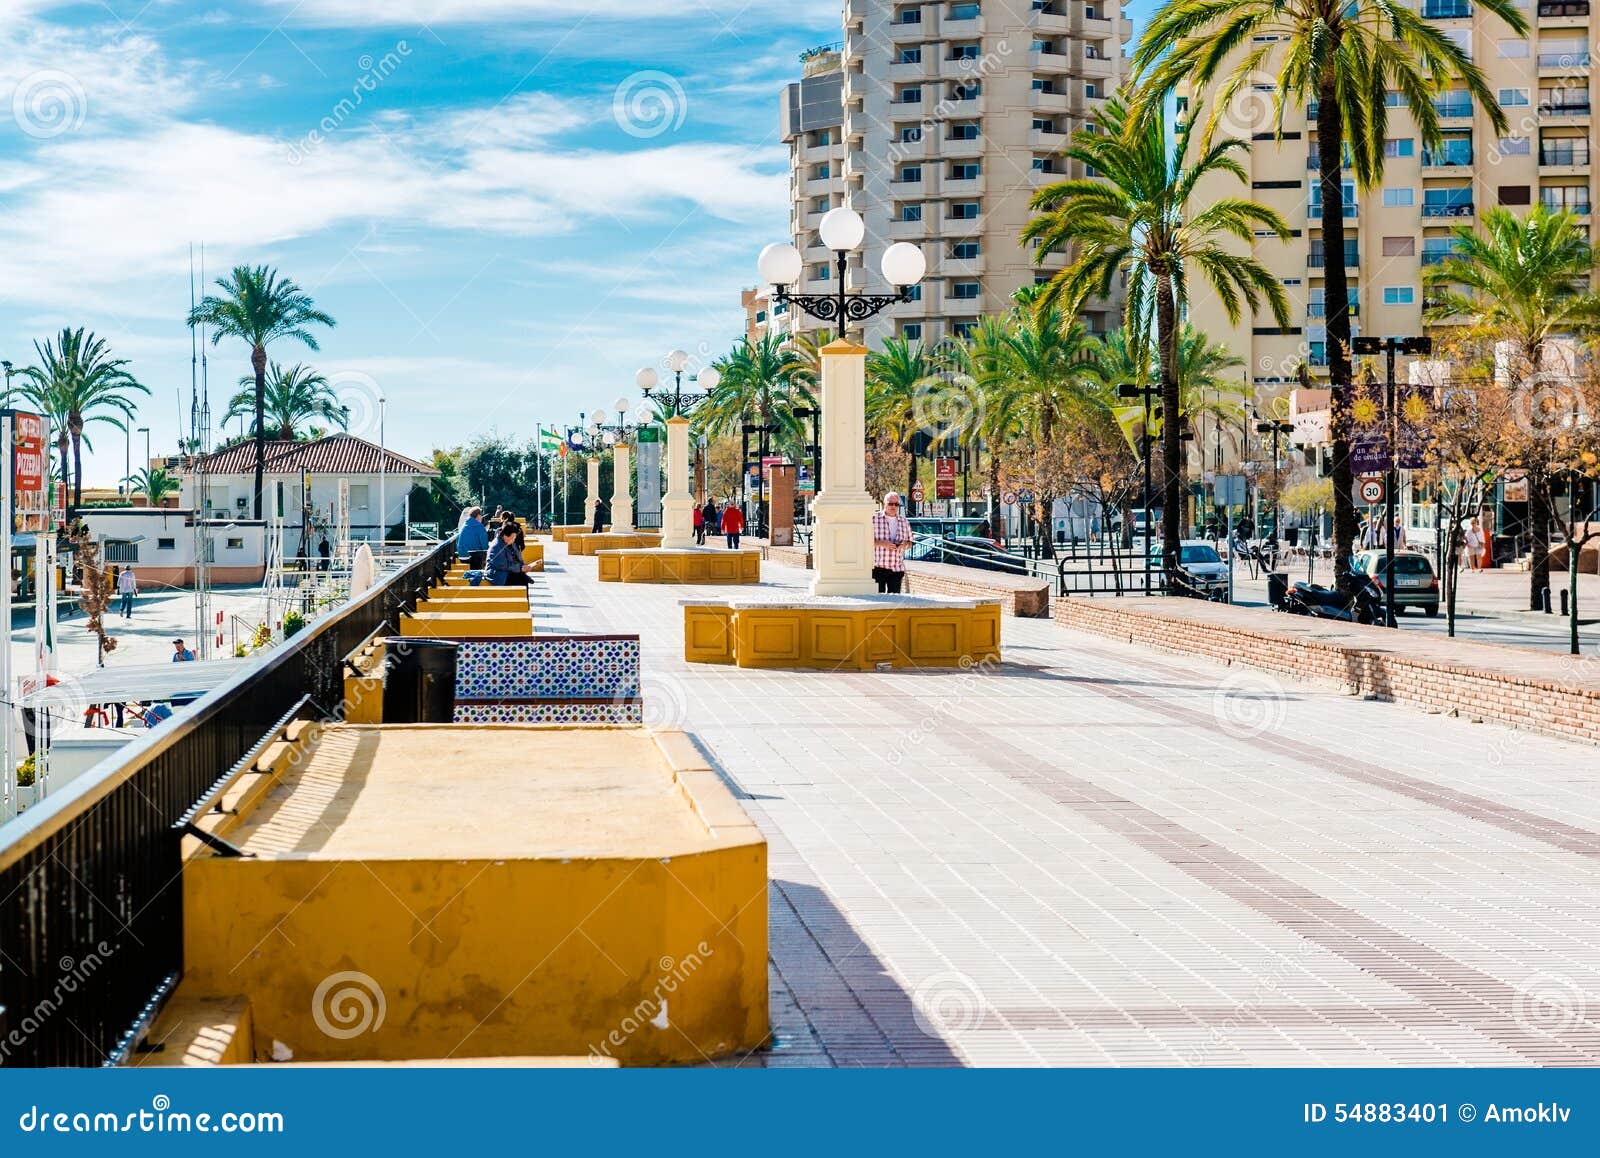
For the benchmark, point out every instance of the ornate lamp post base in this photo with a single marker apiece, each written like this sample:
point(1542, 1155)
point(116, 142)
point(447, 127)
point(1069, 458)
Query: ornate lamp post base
point(841, 536)
point(677, 505)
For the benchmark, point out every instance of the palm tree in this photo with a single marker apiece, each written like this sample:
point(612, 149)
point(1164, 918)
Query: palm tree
point(1342, 58)
point(77, 383)
point(292, 396)
point(1134, 218)
point(258, 307)
point(765, 378)
point(1210, 385)
point(975, 358)
point(1523, 281)
point(903, 383)
point(154, 484)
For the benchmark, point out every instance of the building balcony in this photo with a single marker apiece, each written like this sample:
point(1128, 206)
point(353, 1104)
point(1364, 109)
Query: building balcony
point(1052, 139)
point(1446, 9)
point(1446, 158)
point(1563, 61)
point(1556, 10)
point(961, 186)
point(1318, 258)
point(1320, 309)
point(1052, 18)
point(901, 72)
point(960, 148)
point(1575, 155)
point(1453, 110)
point(909, 230)
point(1576, 208)
point(1459, 209)
point(1050, 102)
point(959, 267)
point(1096, 67)
point(1566, 108)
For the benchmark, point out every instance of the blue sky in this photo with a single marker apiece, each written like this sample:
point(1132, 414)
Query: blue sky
point(508, 205)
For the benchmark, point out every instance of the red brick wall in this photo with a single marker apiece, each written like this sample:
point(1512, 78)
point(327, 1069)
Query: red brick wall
point(1509, 688)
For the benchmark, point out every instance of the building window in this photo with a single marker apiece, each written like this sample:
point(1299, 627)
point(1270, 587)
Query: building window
point(908, 16)
point(964, 131)
point(1400, 147)
point(1516, 195)
point(822, 271)
point(914, 293)
point(964, 92)
point(963, 12)
point(820, 172)
point(1513, 49)
point(911, 331)
point(911, 55)
point(965, 291)
point(1399, 246)
point(1565, 198)
point(964, 210)
point(1393, 198)
point(964, 171)
point(1399, 295)
point(235, 544)
point(910, 133)
point(1511, 98)
point(121, 551)
point(910, 212)
point(911, 95)
point(166, 544)
point(965, 51)
point(910, 173)
point(819, 204)
point(964, 328)
point(964, 250)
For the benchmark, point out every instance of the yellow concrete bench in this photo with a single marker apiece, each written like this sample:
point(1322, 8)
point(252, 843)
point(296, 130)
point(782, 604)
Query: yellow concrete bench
point(483, 593)
point(417, 887)
point(453, 624)
point(475, 606)
point(560, 531)
point(843, 634)
point(590, 543)
point(706, 565)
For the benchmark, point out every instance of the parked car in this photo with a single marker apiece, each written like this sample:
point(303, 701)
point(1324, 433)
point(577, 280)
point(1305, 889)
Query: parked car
point(983, 554)
point(1202, 563)
point(1415, 583)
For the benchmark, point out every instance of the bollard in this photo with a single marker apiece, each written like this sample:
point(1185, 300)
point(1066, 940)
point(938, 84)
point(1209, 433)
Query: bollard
point(1546, 600)
point(1563, 602)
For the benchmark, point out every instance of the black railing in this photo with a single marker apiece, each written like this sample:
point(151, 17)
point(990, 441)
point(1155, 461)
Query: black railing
point(91, 890)
point(1318, 257)
point(1563, 7)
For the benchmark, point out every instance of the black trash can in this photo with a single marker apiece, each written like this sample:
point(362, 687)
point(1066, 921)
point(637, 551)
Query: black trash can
point(419, 680)
point(1277, 588)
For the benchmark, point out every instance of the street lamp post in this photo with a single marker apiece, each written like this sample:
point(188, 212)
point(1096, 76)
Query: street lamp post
point(842, 511)
point(1131, 390)
point(677, 505)
point(1389, 347)
point(1276, 427)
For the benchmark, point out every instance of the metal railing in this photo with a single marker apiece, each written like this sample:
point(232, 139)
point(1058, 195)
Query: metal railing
point(91, 892)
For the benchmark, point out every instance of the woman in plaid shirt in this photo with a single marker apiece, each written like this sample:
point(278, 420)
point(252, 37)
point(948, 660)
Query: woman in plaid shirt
point(891, 535)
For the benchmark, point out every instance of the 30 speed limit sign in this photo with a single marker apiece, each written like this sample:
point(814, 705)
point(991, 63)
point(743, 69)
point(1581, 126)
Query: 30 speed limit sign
point(1372, 490)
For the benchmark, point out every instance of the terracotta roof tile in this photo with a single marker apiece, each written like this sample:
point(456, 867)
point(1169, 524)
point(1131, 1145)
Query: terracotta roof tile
point(336, 454)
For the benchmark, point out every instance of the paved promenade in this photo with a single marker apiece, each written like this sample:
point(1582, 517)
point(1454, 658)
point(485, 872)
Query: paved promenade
point(1100, 855)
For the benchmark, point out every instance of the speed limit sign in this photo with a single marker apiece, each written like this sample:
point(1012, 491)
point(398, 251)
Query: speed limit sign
point(916, 492)
point(1009, 498)
point(1372, 490)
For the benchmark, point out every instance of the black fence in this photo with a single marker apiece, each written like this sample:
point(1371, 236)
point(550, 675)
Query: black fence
point(91, 892)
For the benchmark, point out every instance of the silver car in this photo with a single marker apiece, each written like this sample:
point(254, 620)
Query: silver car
point(1200, 560)
point(1415, 584)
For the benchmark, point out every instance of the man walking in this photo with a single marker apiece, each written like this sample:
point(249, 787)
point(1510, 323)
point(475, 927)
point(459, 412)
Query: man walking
point(732, 525)
point(325, 555)
point(127, 587)
point(891, 535)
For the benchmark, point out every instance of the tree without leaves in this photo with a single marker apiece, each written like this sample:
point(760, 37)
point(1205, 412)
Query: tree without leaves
point(258, 307)
point(1134, 218)
point(1346, 56)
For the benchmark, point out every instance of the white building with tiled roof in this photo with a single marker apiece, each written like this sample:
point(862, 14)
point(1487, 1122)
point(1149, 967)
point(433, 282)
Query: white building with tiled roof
point(379, 482)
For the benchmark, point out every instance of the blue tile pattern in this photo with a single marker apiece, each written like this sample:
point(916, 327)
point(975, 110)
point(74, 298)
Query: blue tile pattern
point(553, 668)
point(550, 712)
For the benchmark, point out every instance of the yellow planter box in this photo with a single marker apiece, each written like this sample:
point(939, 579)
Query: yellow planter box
point(843, 634)
point(689, 565)
point(559, 532)
point(454, 624)
point(592, 544)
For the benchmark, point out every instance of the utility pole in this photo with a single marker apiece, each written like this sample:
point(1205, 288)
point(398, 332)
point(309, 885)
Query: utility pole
point(1131, 390)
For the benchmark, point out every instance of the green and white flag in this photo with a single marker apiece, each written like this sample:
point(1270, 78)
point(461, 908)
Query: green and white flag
point(549, 440)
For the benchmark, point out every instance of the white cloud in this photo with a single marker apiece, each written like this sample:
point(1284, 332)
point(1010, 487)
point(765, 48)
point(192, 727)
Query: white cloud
point(54, 80)
point(413, 12)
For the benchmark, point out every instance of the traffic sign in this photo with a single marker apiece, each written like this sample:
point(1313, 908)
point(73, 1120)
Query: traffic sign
point(1371, 490)
point(1232, 490)
point(916, 492)
point(1009, 498)
point(944, 478)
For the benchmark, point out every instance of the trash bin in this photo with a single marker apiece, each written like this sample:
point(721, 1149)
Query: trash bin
point(1277, 588)
point(419, 681)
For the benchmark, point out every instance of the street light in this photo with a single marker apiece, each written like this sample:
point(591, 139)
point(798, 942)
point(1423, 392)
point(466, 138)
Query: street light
point(842, 231)
point(1389, 347)
point(1276, 427)
point(1131, 390)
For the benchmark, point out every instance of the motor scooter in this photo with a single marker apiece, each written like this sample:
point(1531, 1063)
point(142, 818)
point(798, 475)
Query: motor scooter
point(1356, 598)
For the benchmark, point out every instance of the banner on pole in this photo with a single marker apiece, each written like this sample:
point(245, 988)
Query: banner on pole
point(30, 471)
point(1369, 430)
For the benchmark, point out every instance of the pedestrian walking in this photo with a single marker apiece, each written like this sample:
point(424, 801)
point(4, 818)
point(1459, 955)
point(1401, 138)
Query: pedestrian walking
point(891, 535)
point(711, 517)
point(324, 555)
point(181, 654)
point(700, 526)
point(1472, 543)
point(599, 516)
point(732, 525)
point(505, 566)
point(127, 587)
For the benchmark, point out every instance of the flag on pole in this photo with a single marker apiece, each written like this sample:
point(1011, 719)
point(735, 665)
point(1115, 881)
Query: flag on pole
point(549, 440)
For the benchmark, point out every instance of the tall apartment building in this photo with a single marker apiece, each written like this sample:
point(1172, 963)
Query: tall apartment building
point(1395, 231)
point(948, 116)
